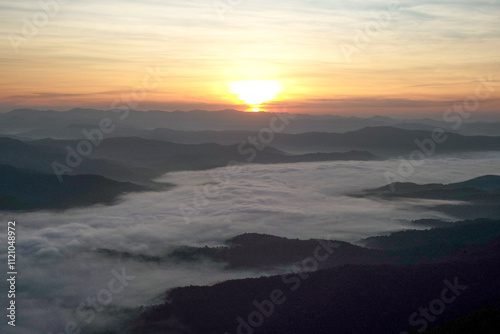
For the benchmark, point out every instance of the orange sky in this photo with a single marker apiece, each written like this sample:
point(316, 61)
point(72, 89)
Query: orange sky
point(348, 57)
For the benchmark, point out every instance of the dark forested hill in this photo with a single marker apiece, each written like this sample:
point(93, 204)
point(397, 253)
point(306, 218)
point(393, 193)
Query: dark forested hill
point(361, 299)
point(22, 189)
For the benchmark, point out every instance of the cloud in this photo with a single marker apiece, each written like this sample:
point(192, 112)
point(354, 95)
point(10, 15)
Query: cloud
point(103, 46)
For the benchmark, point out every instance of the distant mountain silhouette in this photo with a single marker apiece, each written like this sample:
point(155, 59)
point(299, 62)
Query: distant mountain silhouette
point(37, 123)
point(382, 136)
point(388, 141)
point(383, 140)
point(49, 123)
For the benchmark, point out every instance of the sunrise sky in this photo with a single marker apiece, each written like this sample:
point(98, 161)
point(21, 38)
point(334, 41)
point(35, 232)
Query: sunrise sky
point(419, 57)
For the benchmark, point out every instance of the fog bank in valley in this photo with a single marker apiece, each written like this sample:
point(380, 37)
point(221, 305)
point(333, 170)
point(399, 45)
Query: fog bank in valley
point(59, 266)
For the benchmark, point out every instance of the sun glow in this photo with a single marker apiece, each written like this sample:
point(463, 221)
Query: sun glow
point(255, 92)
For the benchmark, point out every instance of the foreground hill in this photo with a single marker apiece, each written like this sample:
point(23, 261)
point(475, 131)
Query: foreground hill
point(347, 299)
point(483, 321)
point(22, 189)
point(350, 299)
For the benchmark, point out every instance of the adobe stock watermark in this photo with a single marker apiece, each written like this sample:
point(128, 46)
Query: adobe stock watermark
point(86, 311)
point(266, 308)
point(223, 7)
point(31, 26)
point(426, 147)
point(249, 149)
point(436, 307)
point(363, 37)
point(94, 137)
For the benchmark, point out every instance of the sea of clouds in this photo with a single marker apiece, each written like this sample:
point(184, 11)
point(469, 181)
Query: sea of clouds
point(59, 268)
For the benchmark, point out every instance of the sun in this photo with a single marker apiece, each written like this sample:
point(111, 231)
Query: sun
point(255, 92)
